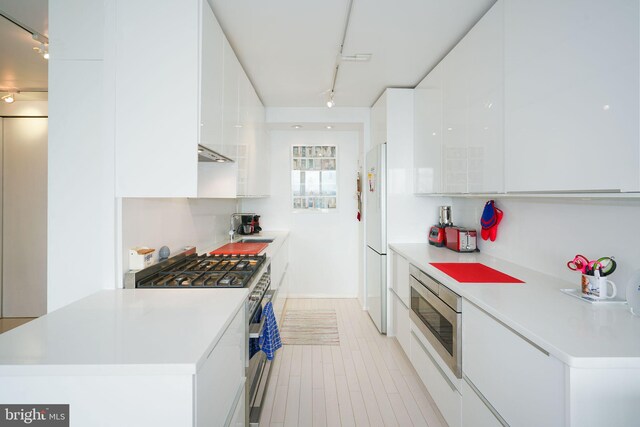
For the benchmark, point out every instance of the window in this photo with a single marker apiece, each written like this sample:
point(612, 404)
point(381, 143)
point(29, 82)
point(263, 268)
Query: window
point(314, 177)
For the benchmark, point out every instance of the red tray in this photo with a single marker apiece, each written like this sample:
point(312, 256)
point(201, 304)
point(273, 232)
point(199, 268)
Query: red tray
point(473, 272)
point(240, 249)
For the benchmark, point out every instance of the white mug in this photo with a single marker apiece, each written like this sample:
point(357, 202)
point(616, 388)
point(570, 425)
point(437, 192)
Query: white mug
point(596, 287)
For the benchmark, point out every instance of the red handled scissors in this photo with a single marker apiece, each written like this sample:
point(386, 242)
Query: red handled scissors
point(579, 263)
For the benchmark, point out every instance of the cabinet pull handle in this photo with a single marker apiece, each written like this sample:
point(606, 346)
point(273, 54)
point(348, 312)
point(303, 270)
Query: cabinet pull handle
point(485, 401)
point(531, 343)
point(446, 378)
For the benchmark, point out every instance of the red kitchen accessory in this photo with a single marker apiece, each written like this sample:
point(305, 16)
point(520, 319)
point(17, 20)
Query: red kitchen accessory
point(240, 249)
point(473, 272)
point(461, 239)
point(437, 235)
point(491, 217)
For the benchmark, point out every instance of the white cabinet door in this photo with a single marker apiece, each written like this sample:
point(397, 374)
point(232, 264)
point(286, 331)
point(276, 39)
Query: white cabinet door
point(245, 131)
point(156, 143)
point(211, 80)
point(239, 416)
point(571, 94)
point(231, 109)
point(473, 108)
point(427, 150)
point(443, 392)
point(400, 321)
point(400, 278)
point(516, 377)
point(485, 147)
point(475, 412)
point(222, 374)
point(379, 121)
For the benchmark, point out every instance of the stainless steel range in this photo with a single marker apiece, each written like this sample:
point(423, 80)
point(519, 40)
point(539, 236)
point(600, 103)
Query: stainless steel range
point(188, 270)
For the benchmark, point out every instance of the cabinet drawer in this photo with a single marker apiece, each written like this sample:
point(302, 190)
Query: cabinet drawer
point(442, 391)
point(474, 411)
point(516, 377)
point(222, 374)
point(401, 323)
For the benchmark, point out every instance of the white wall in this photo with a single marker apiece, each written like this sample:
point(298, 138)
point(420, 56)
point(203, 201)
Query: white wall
point(176, 223)
point(323, 247)
point(544, 234)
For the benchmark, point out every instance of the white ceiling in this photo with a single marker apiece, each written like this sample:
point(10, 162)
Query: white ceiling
point(289, 47)
point(21, 68)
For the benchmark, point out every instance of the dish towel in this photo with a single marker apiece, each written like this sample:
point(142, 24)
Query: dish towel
point(270, 336)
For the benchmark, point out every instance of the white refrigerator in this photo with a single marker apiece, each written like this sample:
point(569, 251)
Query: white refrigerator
point(376, 235)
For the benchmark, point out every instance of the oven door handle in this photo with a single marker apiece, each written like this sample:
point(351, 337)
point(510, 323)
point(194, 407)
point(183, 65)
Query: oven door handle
point(255, 329)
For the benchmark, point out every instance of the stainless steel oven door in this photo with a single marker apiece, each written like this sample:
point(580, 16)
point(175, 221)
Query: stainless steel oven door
point(439, 323)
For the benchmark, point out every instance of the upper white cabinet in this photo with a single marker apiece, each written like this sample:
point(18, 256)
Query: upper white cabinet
point(459, 111)
point(427, 150)
point(157, 137)
point(571, 92)
point(183, 88)
point(212, 82)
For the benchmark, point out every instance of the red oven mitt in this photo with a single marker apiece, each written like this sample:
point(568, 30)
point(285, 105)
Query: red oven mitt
point(491, 217)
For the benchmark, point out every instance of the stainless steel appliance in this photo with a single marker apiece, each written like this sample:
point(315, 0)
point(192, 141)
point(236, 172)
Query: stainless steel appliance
point(437, 236)
point(376, 236)
point(189, 270)
point(461, 239)
point(437, 311)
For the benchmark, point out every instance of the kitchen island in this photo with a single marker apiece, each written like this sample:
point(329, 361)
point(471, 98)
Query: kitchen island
point(531, 355)
point(140, 357)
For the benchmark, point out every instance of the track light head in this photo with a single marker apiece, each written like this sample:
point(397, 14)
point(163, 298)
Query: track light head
point(330, 101)
point(9, 98)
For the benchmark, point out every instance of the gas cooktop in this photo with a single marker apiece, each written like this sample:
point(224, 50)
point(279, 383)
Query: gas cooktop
point(204, 271)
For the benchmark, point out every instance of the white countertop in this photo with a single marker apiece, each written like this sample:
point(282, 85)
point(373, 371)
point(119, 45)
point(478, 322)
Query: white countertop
point(123, 332)
point(580, 334)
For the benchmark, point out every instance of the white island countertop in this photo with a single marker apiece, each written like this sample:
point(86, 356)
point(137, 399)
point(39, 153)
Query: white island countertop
point(580, 334)
point(123, 332)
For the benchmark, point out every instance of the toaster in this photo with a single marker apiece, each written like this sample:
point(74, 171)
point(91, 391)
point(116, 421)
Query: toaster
point(461, 239)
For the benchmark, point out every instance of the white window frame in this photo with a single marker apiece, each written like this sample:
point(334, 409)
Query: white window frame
point(291, 169)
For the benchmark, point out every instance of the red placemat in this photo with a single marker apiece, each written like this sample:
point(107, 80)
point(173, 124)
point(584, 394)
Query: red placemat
point(240, 249)
point(473, 272)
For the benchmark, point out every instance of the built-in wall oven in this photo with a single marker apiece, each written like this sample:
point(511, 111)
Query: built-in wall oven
point(437, 312)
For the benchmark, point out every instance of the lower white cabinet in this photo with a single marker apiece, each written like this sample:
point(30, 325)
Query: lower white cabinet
point(475, 412)
point(400, 319)
point(222, 376)
point(239, 416)
point(442, 390)
point(521, 381)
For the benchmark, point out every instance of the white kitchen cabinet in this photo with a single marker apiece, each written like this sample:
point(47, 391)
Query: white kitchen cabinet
point(400, 322)
point(444, 393)
point(427, 150)
point(472, 109)
point(571, 95)
point(232, 72)
point(515, 376)
point(221, 378)
point(379, 121)
point(239, 417)
point(475, 413)
point(156, 143)
point(212, 82)
point(400, 300)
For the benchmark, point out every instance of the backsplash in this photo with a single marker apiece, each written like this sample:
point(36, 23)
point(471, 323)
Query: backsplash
point(175, 223)
point(544, 233)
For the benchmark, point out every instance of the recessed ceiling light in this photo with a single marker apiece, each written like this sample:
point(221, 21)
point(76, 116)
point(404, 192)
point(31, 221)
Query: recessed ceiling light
point(296, 126)
point(606, 107)
point(9, 98)
point(329, 127)
point(238, 126)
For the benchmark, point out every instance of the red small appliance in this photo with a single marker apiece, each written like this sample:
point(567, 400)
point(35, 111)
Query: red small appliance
point(461, 239)
point(437, 233)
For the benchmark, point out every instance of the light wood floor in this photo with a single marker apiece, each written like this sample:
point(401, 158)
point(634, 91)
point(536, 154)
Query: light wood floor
point(8, 323)
point(367, 380)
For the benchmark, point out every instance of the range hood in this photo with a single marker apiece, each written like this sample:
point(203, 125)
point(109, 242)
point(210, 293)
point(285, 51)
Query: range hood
point(206, 154)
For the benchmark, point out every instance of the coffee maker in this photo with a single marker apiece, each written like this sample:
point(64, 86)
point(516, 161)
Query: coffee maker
point(250, 224)
point(437, 235)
